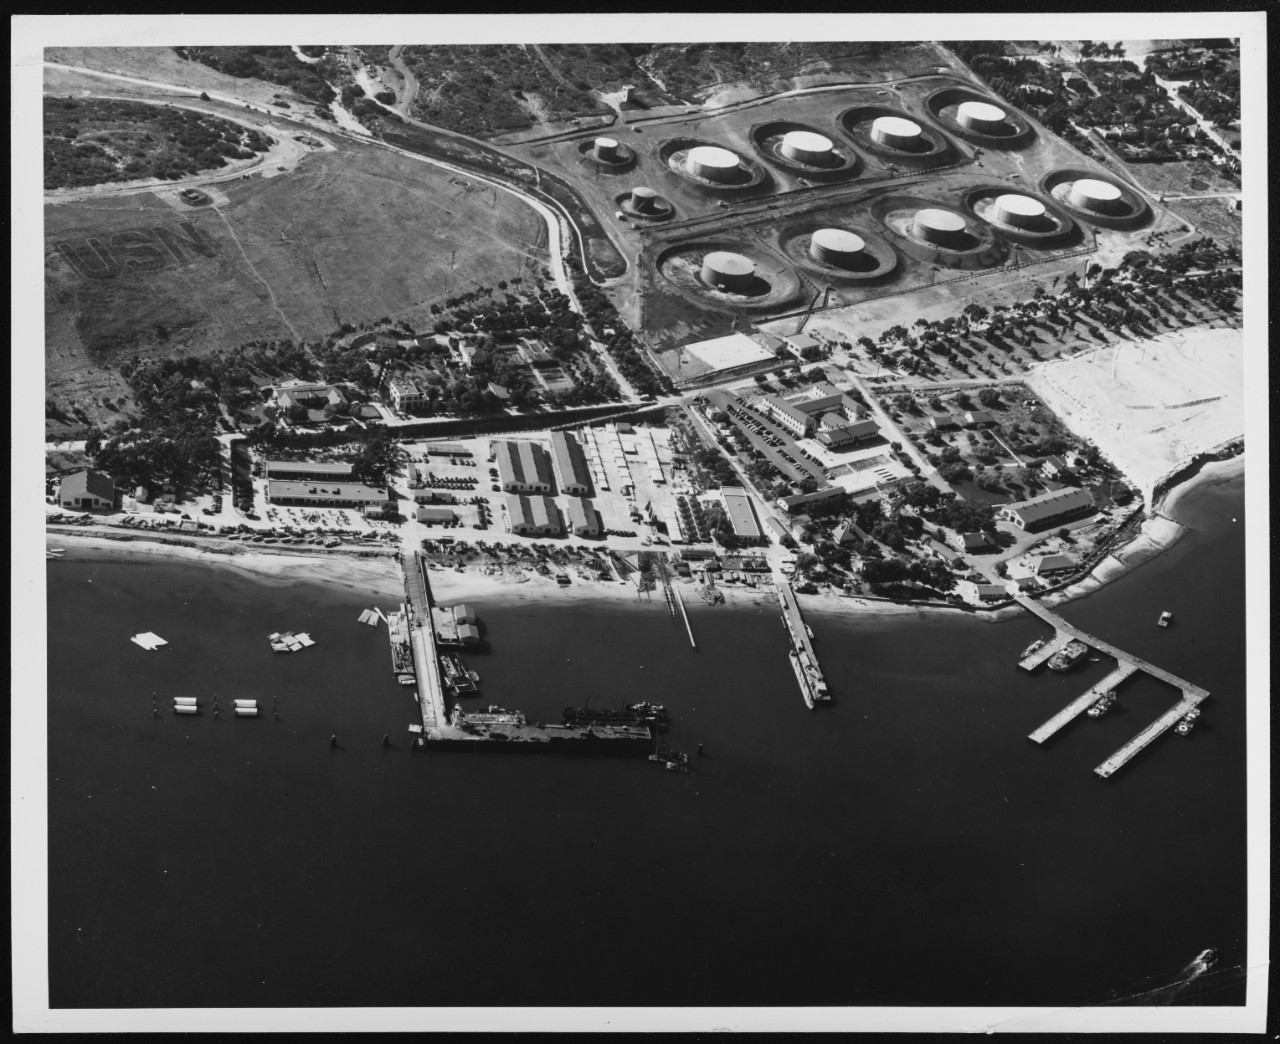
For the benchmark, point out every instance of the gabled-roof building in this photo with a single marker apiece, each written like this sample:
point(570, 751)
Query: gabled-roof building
point(88, 490)
point(522, 467)
point(1060, 505)
point(570, 464)
point(534, 516)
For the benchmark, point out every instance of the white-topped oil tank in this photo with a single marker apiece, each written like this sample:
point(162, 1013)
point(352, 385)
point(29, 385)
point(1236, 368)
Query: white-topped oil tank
point(981, 117)
point(808, 147)
point(941, 227)
point(835, 246)
point(896, 133)
point(712, 163)
point(728, 271)
point(1021, 211)
point(645, 200)
point(606, 149)
point(1101, 197)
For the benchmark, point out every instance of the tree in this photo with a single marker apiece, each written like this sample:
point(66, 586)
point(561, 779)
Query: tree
point(989, 397)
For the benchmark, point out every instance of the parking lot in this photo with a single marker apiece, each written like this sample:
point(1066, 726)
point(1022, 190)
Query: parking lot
point(777, 444)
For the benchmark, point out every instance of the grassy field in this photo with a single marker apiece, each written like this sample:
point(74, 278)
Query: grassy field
point(91, 141)
point(351, 236)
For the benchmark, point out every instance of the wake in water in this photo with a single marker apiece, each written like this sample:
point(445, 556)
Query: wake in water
point(1196, 980)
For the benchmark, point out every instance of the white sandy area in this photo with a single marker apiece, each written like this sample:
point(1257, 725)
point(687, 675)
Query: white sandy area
point(1143, 402)
point(379, 573)
point(449, 586)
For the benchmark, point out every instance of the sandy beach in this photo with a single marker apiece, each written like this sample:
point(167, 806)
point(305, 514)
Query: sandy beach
point(380, 573)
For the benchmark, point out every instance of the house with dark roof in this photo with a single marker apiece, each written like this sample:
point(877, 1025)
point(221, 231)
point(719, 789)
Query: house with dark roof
point(1060, 505)
point(87, 490)
point(1050, 564)
point(969, 543)
point(978, 418)
point(978, 593)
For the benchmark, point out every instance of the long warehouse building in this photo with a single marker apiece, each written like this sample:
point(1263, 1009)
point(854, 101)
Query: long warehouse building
point(570, 464)
point(522, 467)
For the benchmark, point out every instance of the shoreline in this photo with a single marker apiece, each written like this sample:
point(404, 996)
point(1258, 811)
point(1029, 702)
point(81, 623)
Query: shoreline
point(381, 571)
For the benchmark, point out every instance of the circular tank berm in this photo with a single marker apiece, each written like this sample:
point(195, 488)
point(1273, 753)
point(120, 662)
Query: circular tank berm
point(938, 233)
point(644, 204)
point(837, 255)
point(1023, 218)
point(728, 271)
point(1095, 199)
point(710, 166)
point(894, 137)
point(607, 154)
point(800, 149)
point(730, 275)
point(977, 118)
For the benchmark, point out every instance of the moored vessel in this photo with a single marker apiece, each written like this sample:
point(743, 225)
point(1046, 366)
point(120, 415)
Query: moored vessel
point(1033, 648)
point(1066, 658)
point(1166, 618)
point(1102, 705)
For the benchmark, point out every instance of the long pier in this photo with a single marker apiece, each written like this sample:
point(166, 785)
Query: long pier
point(1128, 664)
point(812, 672)
point(1082, 703)
point(422, 637)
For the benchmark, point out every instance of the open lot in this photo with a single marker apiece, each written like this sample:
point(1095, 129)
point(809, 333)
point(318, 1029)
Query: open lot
point(352, 235)
point(1150, 404)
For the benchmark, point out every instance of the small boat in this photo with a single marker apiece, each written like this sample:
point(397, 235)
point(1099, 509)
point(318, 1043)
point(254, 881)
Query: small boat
point(1033, 648)
point(1166, 618)
point(1184, 728)
point(1102, 705)
point(57, 550)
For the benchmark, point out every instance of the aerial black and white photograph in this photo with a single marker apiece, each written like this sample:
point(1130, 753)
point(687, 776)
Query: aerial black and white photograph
point(706, 523)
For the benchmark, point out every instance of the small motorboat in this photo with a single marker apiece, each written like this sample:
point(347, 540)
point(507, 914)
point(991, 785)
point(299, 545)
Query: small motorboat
point(1166, 618)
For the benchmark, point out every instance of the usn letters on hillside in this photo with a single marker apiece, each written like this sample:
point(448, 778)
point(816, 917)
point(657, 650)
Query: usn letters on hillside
point(138, 249)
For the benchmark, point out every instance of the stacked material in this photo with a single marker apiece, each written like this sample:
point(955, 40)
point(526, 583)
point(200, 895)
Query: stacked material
point(287, 641)
point(148, 640)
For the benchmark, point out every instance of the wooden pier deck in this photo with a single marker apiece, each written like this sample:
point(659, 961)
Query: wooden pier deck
point(1192, 695)
point(422, 639)
point(795, 624)
point(1082, 703)
point(1152, 732)
point(1046, 652)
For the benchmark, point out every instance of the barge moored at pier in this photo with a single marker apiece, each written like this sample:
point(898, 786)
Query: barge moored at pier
point(804, 661)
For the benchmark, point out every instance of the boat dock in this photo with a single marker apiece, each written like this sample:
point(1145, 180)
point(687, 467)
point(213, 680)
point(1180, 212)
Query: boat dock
point(1081, 704)
point(808, 672)
point(1046, 652)
point(1192, 695)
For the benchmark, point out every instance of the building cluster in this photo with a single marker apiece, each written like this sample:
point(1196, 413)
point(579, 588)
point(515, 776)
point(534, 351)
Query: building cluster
point(831, 416)
point(527, 473)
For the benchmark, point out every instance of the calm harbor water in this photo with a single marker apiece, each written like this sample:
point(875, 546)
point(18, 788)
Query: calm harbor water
point(906, 846)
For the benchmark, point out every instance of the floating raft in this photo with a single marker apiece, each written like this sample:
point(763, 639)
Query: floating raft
point(287, 641)
point(148, 640)
point(245, 703)
point(184, 708)
point(369, 617)
point(185, 701)
point(246, 712)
